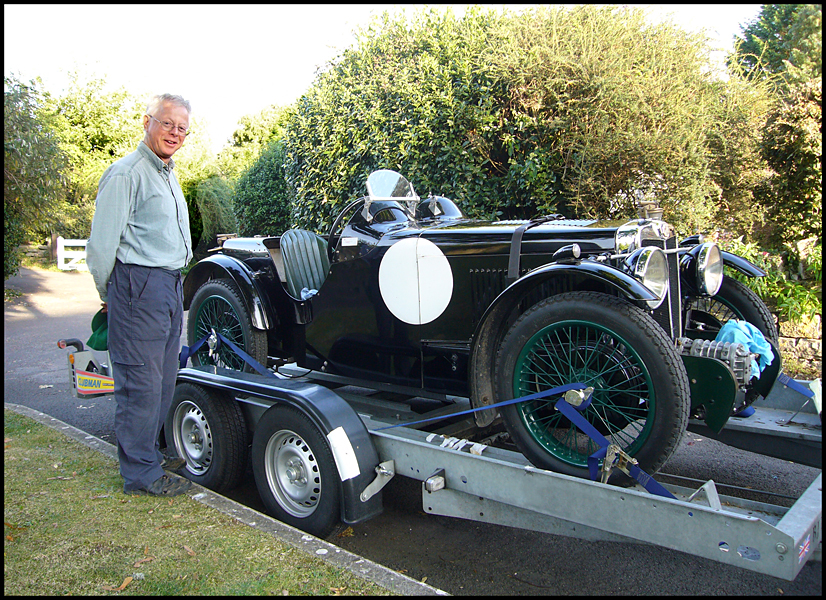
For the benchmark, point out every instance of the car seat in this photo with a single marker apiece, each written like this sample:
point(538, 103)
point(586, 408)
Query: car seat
point(305, 261)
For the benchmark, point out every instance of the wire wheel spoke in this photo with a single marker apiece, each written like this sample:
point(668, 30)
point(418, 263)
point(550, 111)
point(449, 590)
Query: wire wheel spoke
point(589, 353)
point(216, 313)
point(713, 308)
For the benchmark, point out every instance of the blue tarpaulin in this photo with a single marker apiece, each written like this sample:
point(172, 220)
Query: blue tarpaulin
point(745, 333)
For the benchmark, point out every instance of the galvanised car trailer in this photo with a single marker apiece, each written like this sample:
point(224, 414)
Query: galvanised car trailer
point(484, 483)
point(323, 447)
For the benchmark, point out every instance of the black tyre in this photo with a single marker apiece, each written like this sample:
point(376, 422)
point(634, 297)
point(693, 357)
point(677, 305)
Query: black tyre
point(734, 301)
point(218, 304)
point(641, 395)
point(209, 432)
point(295, 472)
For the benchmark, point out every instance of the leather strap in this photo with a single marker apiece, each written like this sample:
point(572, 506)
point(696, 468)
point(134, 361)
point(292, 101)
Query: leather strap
point(516, 243)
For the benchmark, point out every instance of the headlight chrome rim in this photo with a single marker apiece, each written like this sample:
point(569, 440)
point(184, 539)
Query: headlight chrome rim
point(709, 268)
point(650, 266)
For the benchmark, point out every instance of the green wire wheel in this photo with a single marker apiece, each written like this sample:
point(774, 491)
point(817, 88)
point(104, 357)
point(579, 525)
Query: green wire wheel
point(640, 400)
point(217, 304)
point(707, 314)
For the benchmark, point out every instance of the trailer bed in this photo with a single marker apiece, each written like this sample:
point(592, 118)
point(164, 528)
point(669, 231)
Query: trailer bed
point(482, 482)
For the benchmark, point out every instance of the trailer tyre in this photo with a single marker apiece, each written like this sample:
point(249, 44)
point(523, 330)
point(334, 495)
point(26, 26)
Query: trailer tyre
point(295, 472)
point(207, 430)
point(218, 304)
point(641, 395)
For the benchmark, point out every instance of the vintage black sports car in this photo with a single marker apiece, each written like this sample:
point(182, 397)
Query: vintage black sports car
point(412, 292)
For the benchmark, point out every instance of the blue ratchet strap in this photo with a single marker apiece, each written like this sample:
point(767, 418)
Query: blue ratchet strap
point(789, 382)
point(538, 396)
point(247, 358)
point(186, 351)
point(577, 419)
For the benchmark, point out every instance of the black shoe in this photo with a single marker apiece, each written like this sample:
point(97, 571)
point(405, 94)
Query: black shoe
point(164, 486)
point(171, 463)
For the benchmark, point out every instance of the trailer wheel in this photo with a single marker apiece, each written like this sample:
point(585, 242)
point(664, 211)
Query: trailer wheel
point(295, 472)
point(735, 300)
point(209, 432)
point(218, 304)
point(641, 395)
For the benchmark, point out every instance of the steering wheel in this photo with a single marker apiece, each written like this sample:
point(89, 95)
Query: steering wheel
point(337, 222)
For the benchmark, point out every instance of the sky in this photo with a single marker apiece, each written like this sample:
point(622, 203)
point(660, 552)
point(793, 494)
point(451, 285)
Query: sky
point(234, 60)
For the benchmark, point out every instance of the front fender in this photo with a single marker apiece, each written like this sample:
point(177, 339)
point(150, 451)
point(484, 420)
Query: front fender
point(489, 332)
point(221, 266)
point(741, 264)
point(583, 272)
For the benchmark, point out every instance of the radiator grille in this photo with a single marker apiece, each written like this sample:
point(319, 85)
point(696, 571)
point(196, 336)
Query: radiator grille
point(669, 313)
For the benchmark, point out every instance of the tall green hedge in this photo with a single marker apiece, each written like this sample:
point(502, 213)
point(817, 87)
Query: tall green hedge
point(578, 110)
point(263, 195)
point(415, 100)
point(215, 207)
point(793, 146)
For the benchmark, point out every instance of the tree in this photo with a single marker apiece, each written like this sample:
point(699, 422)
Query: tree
point(785, 40)
point(613, 107)
point(411, 98)
point(736, 160)
point(214, 200)
point(263, 196)
point(254, 134)
point(33, 168)
point(783, 46)
point(793, 146)
point(574, 110)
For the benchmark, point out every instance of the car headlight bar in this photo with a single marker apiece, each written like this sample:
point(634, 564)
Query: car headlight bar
point(706, 262)
point(650, 266)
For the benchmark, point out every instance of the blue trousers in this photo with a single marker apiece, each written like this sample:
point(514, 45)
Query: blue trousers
point(145, 306)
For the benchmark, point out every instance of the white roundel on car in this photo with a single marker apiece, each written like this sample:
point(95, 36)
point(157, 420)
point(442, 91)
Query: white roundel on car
point(415, 281)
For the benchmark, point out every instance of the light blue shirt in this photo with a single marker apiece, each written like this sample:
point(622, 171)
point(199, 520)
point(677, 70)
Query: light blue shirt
point(141, 218)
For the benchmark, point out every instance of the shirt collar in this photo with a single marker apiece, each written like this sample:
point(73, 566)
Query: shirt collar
point(159, 164)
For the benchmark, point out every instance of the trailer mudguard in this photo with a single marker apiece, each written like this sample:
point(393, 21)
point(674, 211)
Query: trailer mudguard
point(353, 450)
point(489, 331)
point(221, 266)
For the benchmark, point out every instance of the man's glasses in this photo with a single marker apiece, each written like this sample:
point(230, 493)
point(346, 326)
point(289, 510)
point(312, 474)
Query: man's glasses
point(170, 126)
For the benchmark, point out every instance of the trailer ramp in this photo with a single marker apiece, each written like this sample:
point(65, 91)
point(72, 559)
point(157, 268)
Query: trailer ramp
point(499, 486)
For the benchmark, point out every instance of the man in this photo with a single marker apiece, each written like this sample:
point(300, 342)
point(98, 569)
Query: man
point(140, 241)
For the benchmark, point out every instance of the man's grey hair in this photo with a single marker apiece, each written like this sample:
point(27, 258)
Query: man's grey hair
point(157, 101)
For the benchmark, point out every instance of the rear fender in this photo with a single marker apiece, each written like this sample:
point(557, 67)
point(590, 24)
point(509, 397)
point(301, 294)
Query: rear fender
point(220, 266)
point(491, 328)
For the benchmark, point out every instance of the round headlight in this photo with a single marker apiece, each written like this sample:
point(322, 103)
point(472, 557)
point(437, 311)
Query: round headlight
point(709, 269)
point(650, 266)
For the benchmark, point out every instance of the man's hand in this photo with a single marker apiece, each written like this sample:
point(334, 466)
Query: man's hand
point(104, 307)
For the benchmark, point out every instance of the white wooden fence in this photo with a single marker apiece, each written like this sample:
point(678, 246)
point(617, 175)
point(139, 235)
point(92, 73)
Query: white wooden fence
point(76, 256)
